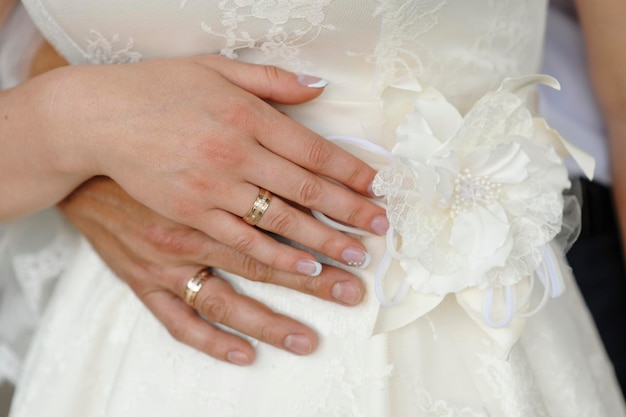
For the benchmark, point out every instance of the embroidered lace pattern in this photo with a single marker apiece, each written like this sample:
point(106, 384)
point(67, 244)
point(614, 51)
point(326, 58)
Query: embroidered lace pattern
point(406, 52)
point(336, 392)
point(283, 27)
point(429, 406)
point(135, 358)
point(400, 55)
point(101, 50)
point(34, 270)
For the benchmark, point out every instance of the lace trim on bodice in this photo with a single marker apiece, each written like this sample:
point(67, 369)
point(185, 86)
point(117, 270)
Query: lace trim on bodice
point(406, 51)
point(402, 40)
point(110, 51)
point(282, 28)
point(401, 56)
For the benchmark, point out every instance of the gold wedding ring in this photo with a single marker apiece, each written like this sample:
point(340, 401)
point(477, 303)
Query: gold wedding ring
point(258, 208)
point(194, 285)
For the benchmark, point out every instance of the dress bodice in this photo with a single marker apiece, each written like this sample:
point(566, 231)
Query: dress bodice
point(432, 355)
point(463, 48)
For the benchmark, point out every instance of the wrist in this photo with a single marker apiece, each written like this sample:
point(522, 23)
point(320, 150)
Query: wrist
point(57, 120)
point(40, 162)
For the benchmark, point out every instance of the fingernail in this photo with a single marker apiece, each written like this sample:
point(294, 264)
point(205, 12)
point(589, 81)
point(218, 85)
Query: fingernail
point(311, 81)
point(298, 343)
point(356, 257)
point(380, 224)
point(347, 292)
point(371, 193)
point(308, 267)
point(238, 357)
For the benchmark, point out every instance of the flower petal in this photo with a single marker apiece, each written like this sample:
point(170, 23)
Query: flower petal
point(416, 146)
point(545, 134)
point(443, 118)
point(506, 164)
point(480, 232)
point(414, 306)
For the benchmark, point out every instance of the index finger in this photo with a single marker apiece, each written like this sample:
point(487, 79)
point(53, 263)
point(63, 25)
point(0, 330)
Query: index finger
point(302, 146)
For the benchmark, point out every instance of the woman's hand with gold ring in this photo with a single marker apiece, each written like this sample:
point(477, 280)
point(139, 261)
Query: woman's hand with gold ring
point(202, 161)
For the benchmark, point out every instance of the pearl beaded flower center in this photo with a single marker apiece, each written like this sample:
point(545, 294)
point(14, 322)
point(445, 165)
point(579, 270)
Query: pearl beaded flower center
point(470, 191)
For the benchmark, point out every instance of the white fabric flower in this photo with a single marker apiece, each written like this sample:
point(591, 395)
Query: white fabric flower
point(474, 198)
point(474, 204)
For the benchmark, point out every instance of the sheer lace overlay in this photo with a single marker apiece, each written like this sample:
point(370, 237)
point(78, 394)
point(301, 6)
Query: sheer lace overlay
point(103, 51)
point(33, 254)
point(286, 27)
point(106, 355)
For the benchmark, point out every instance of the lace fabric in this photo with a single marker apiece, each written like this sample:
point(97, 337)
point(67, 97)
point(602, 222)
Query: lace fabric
point(106, 355)
point(33, 254)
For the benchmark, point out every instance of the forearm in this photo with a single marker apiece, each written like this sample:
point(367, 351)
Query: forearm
point(38, 163)
point(605, 39)
point(6, 6)
point(617, 136)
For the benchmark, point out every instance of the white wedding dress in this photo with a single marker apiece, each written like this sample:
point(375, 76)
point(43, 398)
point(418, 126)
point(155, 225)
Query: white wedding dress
point(447, 329)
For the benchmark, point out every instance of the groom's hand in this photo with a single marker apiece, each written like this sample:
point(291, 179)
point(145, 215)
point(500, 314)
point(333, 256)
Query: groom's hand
point(157, 256)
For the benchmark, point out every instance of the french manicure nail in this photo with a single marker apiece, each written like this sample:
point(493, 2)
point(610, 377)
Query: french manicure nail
point(347, 292)
point(298, 343)
point(311, 81)
point(308, 267)
point(371, 193)
point(356, 257)
point(380, 224)
point(238, 357)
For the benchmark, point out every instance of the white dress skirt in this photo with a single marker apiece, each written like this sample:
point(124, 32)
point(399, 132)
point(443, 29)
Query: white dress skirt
point(470, 310)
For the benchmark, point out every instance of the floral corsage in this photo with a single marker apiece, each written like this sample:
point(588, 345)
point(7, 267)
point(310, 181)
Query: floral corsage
point(474, 202)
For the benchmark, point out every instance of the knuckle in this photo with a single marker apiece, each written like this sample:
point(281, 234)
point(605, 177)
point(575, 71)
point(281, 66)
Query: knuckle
point(216, 308)
point(245, 242)
point(309, 192)
point(272, 74)
point(308, 285)
point(178, 329)
point(328, 246)
point(238, 112)
point(224, 153)
point(269, 332)
point(318, 154)
point(170, 241)
point(282, 222)
point(256, 270)
point(359, 176)
point(353, 216)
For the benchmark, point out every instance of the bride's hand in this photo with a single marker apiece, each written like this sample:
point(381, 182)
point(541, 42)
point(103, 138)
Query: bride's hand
point(191, 139)
point(157, 256)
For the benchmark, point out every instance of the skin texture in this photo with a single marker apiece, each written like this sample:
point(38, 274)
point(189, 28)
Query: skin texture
point(605, 39)
point(188, 138)
point(6, 6)
point(156, 256)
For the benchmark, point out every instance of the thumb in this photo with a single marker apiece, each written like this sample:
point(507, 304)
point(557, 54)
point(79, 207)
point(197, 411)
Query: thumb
point(268, 82)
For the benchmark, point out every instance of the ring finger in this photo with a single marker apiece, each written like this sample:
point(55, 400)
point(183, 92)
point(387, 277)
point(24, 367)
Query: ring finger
point(215, 299)
point(285, 220)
